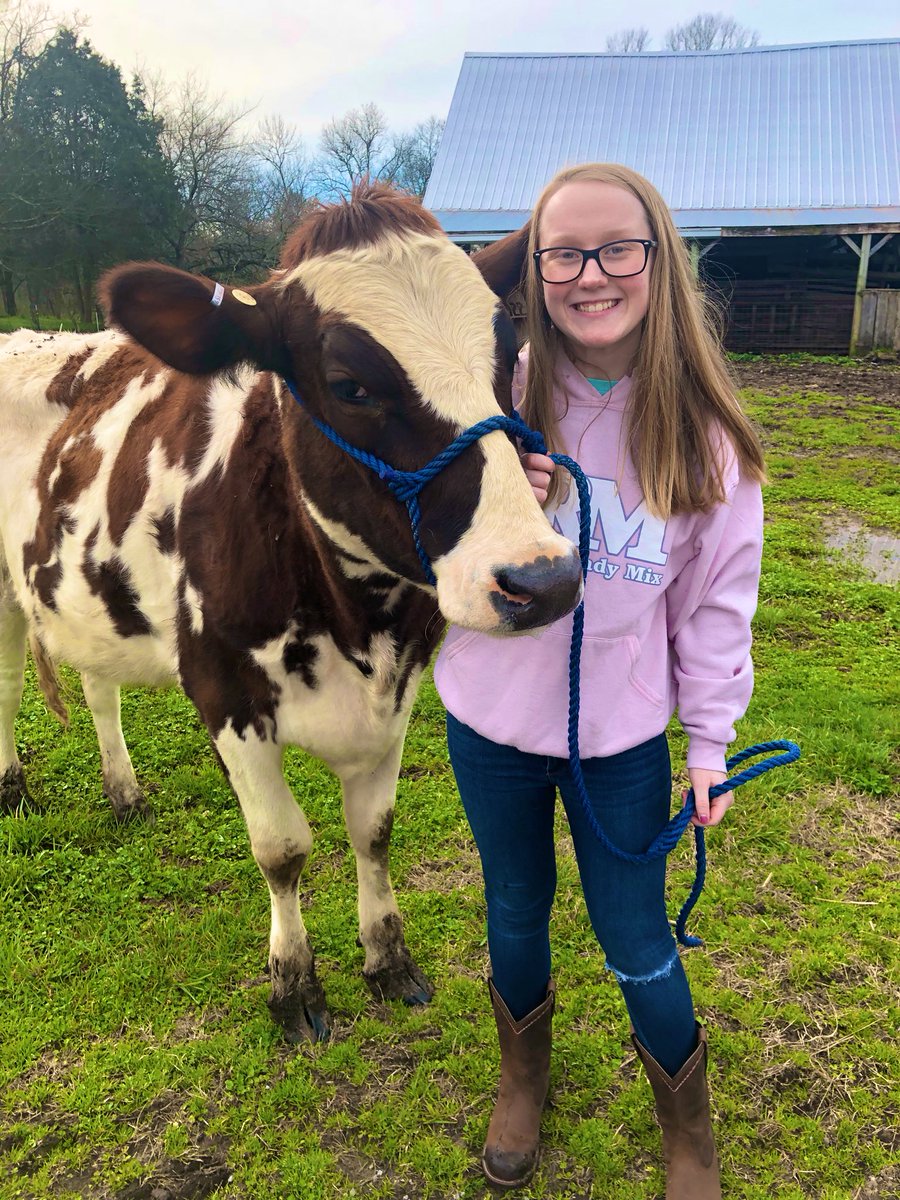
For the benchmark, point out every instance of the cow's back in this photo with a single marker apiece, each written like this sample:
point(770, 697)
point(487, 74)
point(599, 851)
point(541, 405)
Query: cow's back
point(101, 442)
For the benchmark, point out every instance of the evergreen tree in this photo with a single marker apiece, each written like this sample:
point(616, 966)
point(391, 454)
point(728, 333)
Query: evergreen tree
point(84, 182)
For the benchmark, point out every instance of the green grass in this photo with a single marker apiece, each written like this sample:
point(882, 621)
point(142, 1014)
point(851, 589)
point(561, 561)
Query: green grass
point(47, 323)
point(136, 1049)
point(803, 357)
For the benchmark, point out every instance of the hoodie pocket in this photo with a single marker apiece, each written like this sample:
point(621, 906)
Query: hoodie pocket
point(641, 686)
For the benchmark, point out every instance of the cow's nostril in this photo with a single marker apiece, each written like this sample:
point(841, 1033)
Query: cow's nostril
point(512, 593)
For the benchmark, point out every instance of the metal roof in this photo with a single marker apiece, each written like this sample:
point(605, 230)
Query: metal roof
point(773, 136)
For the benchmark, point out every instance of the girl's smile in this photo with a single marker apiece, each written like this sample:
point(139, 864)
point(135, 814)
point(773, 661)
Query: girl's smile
point(595, 306)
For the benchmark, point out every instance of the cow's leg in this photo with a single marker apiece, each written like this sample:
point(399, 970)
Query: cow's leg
point(281, 841)
point(369, 797)
point(13, 793)
point(120, 784)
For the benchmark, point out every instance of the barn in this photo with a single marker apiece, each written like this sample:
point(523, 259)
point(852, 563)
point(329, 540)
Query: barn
point(781, 165)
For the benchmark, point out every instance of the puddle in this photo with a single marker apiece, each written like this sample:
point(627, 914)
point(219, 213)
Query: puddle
point(877, 552)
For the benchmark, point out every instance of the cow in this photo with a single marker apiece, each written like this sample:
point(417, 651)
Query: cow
point(171, 512)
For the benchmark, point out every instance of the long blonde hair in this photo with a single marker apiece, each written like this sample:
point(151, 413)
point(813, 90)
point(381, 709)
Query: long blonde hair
point(681, 386)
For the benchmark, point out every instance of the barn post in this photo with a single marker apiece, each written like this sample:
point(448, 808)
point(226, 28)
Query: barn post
point(864, 251)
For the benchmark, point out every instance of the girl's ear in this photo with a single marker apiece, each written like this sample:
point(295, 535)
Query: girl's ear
point(503, 263)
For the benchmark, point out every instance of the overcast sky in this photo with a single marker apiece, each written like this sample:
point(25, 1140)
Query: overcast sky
point(309, 61)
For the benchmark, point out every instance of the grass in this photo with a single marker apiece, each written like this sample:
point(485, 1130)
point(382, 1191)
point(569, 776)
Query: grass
point(47, 323)
point(804, 357)
point(136, 1051)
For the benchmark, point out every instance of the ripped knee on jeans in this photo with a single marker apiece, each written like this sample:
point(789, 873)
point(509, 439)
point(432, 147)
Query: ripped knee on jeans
point(651, 976)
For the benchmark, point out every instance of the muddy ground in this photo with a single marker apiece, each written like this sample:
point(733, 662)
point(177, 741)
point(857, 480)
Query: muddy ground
point(879, 380)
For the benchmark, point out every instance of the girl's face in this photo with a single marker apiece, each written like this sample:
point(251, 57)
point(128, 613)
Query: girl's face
point(600, 317)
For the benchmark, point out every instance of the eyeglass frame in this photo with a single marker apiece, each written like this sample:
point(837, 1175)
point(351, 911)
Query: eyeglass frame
point(594, 256)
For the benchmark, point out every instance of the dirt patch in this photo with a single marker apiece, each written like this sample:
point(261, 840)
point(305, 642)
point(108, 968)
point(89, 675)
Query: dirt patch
point(884, 1186)
point(197, 1173)
point(184, 1179)
point(445, 876)
point(850, 823)
point(880, 381)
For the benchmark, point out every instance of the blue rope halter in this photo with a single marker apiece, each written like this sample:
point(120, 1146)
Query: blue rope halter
point(406, 486)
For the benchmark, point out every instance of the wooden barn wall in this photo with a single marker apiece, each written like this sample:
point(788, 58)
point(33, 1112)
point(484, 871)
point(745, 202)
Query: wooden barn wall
point(879, 326)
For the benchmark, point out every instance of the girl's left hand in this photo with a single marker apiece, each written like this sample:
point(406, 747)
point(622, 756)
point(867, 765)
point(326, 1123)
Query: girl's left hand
point(709, 812)
point(538, 470)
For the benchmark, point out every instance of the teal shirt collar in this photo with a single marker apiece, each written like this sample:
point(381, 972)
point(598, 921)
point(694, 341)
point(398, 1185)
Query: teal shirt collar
point(603, 385)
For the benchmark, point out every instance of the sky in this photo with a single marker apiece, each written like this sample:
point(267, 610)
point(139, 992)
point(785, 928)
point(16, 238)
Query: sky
point(311, 61)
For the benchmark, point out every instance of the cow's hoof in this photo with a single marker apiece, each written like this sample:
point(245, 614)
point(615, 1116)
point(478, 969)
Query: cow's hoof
point(131, 807)
point(14, 798)
point(299, 1023)
point(297, 1003)
point(400, 979)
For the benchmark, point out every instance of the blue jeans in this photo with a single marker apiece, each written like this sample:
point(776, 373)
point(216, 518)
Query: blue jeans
point(509, 798)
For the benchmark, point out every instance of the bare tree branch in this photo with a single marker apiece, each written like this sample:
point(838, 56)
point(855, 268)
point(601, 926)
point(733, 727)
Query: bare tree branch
point(211, 163)
point(711, 31)
point(284, 178)
point(415, 154)
point(628, 41)
point(24, 31)
point(356, 146)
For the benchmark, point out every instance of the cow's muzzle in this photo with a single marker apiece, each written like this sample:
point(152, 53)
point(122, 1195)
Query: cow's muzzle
point(537, 593)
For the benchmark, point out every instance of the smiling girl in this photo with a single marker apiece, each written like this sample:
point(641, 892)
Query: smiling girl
point(622, 373)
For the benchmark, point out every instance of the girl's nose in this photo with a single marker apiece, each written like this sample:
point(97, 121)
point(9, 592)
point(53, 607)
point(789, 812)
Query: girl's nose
point(593, 273)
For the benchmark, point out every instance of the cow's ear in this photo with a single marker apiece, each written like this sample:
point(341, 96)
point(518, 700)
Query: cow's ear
point(191, 322)
point(503, 263)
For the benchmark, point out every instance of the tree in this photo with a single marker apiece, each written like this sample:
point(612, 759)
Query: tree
point(88, 185)
point(356, 146)
point(711, 31)
point(628, 41)
point(24, 31)
point(415, 154)
point(211, 165)
point(284, 187)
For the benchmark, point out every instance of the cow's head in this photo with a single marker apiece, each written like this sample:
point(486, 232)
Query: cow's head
point(392, 337)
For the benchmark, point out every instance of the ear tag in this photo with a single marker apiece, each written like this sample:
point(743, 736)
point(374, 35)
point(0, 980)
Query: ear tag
point(243, 297)
point(218, 293)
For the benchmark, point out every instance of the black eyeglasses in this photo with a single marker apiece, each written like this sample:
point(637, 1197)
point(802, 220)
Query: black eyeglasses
point(563, 264)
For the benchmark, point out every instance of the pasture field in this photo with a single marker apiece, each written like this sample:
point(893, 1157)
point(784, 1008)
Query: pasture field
point(137, 1057)
point(47, 323)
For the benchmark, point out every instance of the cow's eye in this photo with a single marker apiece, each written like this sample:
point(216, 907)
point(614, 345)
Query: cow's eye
point(350, 391)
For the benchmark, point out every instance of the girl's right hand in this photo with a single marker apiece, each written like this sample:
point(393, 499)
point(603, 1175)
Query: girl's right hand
point(538, 469)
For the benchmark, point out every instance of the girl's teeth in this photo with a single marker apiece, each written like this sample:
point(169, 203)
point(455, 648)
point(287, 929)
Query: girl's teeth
point(600, 306)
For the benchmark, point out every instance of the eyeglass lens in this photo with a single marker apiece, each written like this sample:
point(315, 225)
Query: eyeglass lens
point(561, 264)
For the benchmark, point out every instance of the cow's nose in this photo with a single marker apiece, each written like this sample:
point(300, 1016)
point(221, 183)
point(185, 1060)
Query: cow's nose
point(537, 593)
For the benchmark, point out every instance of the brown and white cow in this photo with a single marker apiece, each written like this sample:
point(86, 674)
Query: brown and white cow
point(188, 522)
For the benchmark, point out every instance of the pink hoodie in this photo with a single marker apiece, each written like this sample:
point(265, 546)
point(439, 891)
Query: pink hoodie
point(668, 606)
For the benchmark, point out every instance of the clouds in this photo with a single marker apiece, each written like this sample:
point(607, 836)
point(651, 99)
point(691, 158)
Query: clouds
point(310, 60)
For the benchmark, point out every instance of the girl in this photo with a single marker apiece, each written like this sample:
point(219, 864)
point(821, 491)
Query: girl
point(622, 373)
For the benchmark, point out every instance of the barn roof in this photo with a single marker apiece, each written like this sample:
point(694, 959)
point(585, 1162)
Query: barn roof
point(768, 137)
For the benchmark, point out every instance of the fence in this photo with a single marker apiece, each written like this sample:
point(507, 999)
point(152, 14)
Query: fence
point(779, 315)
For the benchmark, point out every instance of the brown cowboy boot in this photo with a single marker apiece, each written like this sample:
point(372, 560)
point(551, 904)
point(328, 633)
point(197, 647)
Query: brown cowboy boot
point(682, 1109)
point(511, 1149)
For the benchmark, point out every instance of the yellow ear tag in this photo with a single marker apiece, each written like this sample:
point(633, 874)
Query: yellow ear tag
point(243, 297)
